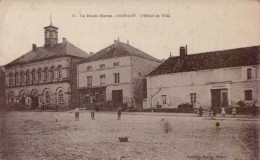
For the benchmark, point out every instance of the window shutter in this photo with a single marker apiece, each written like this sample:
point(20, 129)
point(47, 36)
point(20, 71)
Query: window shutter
point(253, 72)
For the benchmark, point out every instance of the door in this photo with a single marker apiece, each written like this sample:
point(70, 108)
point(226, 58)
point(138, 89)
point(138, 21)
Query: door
point(215, 98)
point(219, 98)
point(22, 101)
point(35, 102)
point(117, 98)
point(224, 98)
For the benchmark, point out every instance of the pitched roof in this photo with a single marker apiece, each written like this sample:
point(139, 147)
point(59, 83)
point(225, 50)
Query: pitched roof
point(44, 53)
point(210, 60)
point(119, 49)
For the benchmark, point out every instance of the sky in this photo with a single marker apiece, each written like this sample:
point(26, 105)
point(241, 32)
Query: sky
point(202, 25)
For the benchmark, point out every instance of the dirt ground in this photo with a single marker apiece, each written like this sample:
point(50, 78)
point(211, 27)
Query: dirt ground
point(37, 135)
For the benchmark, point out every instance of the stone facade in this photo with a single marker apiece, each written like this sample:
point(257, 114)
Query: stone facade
point(41, 84)
point(45, 77)
point(119, 80)
point(190, 87)
point(219, 87)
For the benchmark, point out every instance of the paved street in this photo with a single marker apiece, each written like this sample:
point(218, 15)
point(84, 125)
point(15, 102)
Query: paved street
point(37, 135)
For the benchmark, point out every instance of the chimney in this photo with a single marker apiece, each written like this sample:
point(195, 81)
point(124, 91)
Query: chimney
point(64, 40)
point(91, 53)
point(34, 47)
point(127, 41)
point(186, 49)
point(116, 43)
point(182, 51)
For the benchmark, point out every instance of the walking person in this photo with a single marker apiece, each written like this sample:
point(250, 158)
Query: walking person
point(223, 112)
point(200, 111)
point(234, 111)
point(76, 114)
point(92, 115)
point(119, 114)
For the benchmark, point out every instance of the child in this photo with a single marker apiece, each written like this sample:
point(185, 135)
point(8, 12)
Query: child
point(223, 112)
point(56, 117)
point(77, 114)
point(234, 111)
point(92, 115)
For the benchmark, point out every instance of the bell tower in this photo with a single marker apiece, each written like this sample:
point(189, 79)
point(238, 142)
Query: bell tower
point(50, 34)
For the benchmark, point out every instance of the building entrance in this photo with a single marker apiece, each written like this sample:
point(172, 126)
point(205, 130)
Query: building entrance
point(35, 102)
point(219, 98)
point(34, 99)
point(117, 98)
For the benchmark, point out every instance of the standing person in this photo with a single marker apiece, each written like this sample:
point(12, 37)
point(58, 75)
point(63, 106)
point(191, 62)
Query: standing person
point(223, 112)
point(234, 111)
point(200, 111)
point(57, 117)
point(92, 115)
point(119, 114)
point(76, 114)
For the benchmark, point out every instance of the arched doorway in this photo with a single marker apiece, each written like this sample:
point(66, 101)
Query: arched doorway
point(35, 100)
point(11, 98)
point(22, 96)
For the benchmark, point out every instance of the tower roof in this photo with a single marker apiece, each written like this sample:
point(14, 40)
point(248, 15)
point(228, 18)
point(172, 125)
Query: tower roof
point(51, 26)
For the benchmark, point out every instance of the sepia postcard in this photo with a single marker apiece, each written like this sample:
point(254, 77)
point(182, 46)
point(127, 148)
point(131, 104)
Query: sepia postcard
point(130, 79)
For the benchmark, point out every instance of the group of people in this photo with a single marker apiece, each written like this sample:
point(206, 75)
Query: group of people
point(213, 112)
point(93, 114)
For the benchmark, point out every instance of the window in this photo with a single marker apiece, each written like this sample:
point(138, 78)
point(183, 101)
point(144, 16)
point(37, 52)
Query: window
point(116, 64)
point(52, 73)
point(10, 78)
point(164, 99)
point(89, 68)
point(22, 77)
point(249, 73)
point(102, 66)
point(117, 77)
point(102, 79)
point(27, 76)
point(39, 74)
point(16, 78)
point(33, 76)
point(48, 34)
point(47, 97)
point(248, 95)
point(193, 98)
point(59, 70)
point(46, 75)
point(89, 81)
point(60, 96)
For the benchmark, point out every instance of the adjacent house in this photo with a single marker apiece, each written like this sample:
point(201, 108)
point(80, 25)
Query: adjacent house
point(114, 76)
point(217, 79)
point(46, 76)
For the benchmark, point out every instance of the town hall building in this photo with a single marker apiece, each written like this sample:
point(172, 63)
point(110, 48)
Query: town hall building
point(45, 77)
